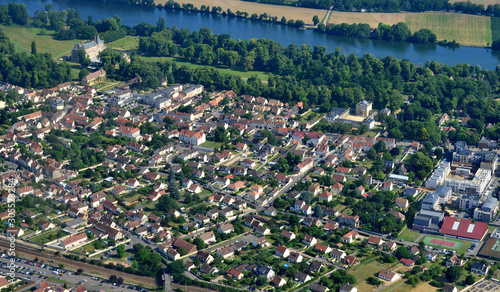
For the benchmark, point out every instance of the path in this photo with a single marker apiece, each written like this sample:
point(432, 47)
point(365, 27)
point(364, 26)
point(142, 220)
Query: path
point(327, 16)
point(401, 282)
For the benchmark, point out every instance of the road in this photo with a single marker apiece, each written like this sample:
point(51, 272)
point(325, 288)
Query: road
point(245, 238)
point(327, 16)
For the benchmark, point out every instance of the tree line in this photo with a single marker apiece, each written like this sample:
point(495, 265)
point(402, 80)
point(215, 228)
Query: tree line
point(397, 32)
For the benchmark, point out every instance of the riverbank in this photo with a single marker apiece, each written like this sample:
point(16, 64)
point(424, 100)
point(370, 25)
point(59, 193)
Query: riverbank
point(295, 13)
point(466, 29)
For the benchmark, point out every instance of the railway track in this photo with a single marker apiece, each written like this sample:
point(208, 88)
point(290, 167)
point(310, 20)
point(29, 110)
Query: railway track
point(102, 272)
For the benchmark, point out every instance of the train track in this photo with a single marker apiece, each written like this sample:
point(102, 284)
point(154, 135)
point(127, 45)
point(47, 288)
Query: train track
point(102, 272)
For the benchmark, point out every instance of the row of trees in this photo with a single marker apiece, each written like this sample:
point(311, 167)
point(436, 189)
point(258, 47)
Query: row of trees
point(397, 32)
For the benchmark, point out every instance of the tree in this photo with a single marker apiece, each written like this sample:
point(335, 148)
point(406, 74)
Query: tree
point(307, 197)
point(120, 251)
point(315, 19)
point(33, 48)
point(119, 280)
point(83, 58)
point(261, 280)
point(453, 273)
point(160, 25)
point(469, 280)
point(402, 252)
point(318, 212)
point(79, 271)
point(199, 243)
point(421, 245)
point(83, 73)
point(112, 278)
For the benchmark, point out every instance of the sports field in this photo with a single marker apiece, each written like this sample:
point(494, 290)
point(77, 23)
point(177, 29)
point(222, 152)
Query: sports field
point(445, 243)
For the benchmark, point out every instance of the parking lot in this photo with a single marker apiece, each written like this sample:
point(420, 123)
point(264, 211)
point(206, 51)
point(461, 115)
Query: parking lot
point(40, 272)
point(485, 285)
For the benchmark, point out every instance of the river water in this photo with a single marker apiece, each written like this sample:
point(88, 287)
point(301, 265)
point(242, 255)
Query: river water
point(246, 29)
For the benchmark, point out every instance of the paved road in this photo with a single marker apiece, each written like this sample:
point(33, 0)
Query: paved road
point(245, 238)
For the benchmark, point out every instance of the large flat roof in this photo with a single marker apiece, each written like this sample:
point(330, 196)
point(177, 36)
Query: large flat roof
point(464, 228)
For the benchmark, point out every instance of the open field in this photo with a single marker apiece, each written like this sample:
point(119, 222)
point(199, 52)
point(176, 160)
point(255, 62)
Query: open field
point(244, 75)
point(484, 2)
point(409, 235)
point(473, 30)
point(402, 287)
point(363, 271)
point(305, 14)
point(22, 38)
point(125, 44)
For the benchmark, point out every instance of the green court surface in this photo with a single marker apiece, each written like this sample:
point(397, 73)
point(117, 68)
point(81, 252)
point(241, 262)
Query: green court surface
point(443, 242)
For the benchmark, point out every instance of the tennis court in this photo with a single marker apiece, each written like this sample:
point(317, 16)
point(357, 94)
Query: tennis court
point(445, 243)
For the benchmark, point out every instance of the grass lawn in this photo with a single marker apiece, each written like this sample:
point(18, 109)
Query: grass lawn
point(22, 38)
point(211, 144)
point(409, 235)
point(457, 246)
point(127, 43)
point(367, 163)
point(363, 271)
point(244, 75)
point(400, 286)
point(44, 236)
point(466, 29)
point(108, 84)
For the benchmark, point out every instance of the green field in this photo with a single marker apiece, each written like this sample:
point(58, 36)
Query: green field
point(127, 43)
point(363, 271)
point(458, 243)
point(244, 75)
point(409, 235)
point(211, 144)
point(470, 30)
point(22, 38)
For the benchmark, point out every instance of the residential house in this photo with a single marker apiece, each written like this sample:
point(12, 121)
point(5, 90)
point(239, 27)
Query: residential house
point(479, 268)
point(309, 240)
point(388, 275)
point(282, 251)
point(454, 260)
point(208, 237)
point(407, 262)
point(225, 252)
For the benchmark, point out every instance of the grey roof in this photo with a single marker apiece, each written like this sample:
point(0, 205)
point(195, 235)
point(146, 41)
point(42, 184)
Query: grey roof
point(442, 191)
point(90, 44)
point(430, 199)
point(489, 204)
point(410, 192)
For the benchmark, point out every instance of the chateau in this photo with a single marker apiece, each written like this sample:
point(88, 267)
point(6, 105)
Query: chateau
point(92, 48)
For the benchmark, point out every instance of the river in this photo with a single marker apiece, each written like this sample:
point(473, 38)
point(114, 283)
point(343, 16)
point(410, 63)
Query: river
point(246, 29)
